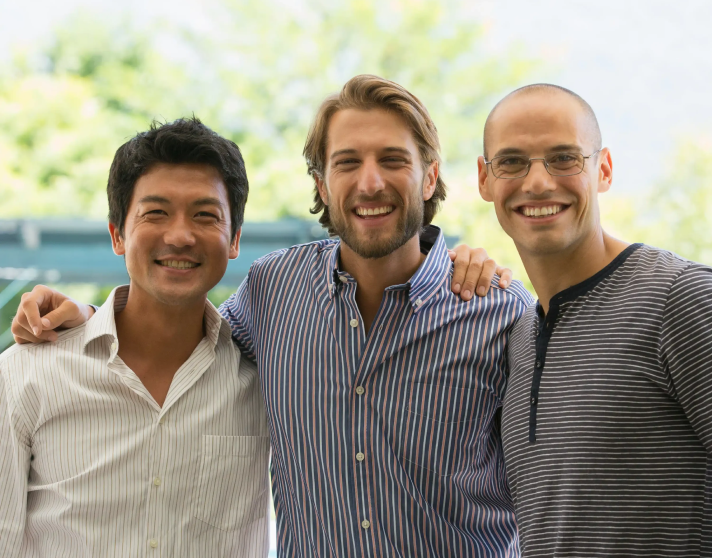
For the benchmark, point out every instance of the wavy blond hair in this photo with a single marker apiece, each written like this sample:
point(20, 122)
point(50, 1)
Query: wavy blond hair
point(368, 92)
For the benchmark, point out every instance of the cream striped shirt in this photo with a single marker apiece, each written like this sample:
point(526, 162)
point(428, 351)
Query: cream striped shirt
point(91, 465)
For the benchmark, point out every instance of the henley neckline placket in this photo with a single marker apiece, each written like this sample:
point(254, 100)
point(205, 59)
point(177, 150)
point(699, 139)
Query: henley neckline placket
point(544, 325)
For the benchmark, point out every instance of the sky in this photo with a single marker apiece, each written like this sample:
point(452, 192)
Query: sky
point(643, 65)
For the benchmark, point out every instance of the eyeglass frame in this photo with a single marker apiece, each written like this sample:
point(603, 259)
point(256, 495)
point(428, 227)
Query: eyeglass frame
point(546, 165)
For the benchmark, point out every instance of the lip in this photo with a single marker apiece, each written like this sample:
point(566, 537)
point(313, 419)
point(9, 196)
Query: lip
point(540, 220)
point(373, 220)
point(175, 271)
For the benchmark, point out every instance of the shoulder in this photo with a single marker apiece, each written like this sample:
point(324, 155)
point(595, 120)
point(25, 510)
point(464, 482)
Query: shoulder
point(295, 257)
point(22, 362)
point(517, 291)
point(515, 295)
point(656, 262)
point(668, 269)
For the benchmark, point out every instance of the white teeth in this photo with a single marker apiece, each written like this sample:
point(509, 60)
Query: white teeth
point(178, 264)
point(375, 211)
point(542, 211)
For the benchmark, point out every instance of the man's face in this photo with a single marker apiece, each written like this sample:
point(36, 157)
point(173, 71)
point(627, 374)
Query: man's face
point(374, 184)
point(535, 125)
point(176, 237)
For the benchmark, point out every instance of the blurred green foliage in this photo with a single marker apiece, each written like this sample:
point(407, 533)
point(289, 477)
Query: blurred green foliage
point(257, 76)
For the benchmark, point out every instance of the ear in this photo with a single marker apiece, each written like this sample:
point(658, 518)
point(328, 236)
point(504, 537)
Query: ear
point(484, 186)
point(605, 170)
point(430, 181)
point(235, 245)
point(323, 192)
point(117, 242)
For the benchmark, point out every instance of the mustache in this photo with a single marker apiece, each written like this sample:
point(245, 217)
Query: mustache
point(383, 199)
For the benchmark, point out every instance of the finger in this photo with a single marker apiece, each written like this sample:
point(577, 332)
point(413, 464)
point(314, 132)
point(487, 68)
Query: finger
point(505, 276)
point(465, 259)
point(485, 281)
point(23, 334)
point(67, 312)
point(29, 309)
point(474, 270)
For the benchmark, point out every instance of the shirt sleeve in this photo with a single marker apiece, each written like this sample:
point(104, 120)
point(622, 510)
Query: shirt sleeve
point(14, 470)
point(686, 347)
point(237, 311)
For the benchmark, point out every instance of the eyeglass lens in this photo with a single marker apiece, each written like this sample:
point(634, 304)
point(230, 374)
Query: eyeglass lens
point(558, 164)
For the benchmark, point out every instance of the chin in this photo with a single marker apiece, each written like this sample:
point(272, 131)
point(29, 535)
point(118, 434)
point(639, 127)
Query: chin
point(179, 297)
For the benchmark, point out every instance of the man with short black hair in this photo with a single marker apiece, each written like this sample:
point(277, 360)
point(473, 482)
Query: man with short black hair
point(607, 418)
point(143, 432)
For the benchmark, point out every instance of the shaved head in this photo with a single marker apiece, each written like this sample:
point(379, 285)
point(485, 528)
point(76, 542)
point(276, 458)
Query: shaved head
point(593, 130)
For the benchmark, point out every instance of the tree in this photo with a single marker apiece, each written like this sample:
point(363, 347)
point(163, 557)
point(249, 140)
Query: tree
point(256, 79)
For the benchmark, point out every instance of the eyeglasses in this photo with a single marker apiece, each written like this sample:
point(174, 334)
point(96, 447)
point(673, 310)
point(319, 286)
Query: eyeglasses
point(557, 164)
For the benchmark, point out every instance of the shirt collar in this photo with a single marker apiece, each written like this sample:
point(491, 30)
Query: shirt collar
point(426, 280)
point(103, 323)
point(429, 277)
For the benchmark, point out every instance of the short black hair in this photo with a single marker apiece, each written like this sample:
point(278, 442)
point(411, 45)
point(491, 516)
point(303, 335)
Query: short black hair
point(594, 130)
point(186, 140)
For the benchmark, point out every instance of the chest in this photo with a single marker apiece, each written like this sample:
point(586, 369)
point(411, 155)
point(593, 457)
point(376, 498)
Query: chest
point(593, 374)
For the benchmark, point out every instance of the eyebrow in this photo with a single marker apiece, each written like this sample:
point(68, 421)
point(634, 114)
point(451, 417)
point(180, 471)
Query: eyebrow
point(555, 149)
point(401, 150)
point(166, 201)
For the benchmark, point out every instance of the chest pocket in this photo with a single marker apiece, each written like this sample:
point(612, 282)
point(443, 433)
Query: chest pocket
point(232, 484)
point(445, 427)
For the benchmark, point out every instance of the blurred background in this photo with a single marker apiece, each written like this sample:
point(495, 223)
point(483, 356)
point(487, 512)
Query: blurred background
point(78, 78)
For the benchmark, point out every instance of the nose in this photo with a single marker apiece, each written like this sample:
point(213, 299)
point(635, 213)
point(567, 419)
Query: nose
point(538, 180)
point(370, 179)
point(179, 233)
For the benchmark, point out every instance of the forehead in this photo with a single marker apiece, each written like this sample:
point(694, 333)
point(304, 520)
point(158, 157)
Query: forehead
point(180, 183)
point(538, 121)
point(366, 130)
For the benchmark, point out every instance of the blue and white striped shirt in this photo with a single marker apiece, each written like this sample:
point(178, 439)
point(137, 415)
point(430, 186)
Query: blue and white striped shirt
point(383, 444)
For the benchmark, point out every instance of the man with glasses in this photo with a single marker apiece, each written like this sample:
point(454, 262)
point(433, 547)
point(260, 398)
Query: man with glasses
point(607, 418)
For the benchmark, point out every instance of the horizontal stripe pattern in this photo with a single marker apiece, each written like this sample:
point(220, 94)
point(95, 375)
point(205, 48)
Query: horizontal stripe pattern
point(622, 462)
point(91, 465)
point(384, 444)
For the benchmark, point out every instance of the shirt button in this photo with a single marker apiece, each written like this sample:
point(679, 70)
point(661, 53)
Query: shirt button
point(153, 543)
point(113, 346)
point(533, 400)
point(360, 456)
point(360, 390)
point(157, 481)
point(537, 364)
point(343, 279)
point(365, 524)
point(353, 323)
point(161, 421)
point(419, 303)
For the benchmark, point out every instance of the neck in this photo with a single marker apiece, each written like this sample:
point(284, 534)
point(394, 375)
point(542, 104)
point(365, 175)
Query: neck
point(552, 273)
point(374, 275)
point(159, 332)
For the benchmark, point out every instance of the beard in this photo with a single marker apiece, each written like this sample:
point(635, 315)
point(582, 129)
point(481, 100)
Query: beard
point(378, 243)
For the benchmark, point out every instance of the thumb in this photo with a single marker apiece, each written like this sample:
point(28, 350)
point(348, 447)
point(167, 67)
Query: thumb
point(65, 312)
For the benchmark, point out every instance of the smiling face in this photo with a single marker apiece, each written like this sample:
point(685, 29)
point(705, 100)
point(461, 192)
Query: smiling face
point(545, 214)
point(374, 183)
point(176, 238)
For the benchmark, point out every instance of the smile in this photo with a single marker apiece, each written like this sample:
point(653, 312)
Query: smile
point(541, 211)
point(177, 264)
point(374, 211)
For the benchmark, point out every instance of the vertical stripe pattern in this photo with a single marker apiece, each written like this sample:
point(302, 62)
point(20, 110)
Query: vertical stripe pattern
point(384, 444)
point(90, 465)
